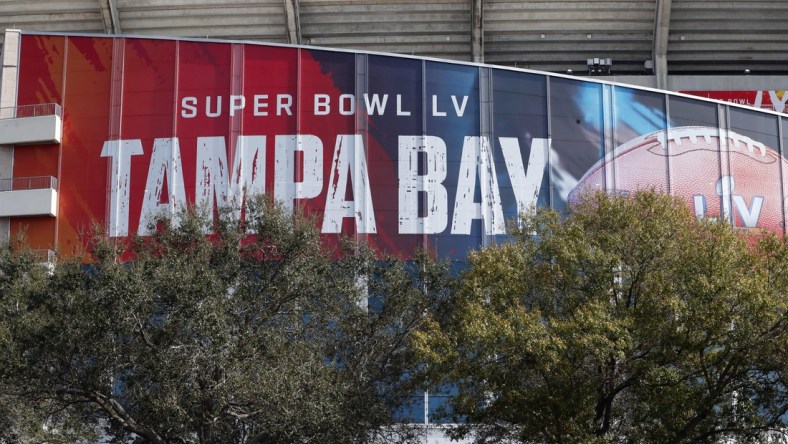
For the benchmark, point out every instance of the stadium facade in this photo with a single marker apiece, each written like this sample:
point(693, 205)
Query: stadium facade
point(399, 151)
point(403, 152)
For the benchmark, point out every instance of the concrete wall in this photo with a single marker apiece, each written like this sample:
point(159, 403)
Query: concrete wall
point(8, 88)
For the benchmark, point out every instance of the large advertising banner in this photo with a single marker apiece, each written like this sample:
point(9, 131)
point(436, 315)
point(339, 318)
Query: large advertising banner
point(773, 100)
point(397, 151)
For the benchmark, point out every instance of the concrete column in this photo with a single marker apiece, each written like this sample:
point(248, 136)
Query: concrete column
point(660, 47)
point(477, 30)
point(110, 17)
point(293, 22)
point(9, 74)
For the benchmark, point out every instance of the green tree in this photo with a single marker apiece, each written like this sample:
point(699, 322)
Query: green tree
point(628, 320)
point(38, 420)
point(254, 333)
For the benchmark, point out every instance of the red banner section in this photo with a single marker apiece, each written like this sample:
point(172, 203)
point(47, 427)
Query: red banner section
point(773, 100)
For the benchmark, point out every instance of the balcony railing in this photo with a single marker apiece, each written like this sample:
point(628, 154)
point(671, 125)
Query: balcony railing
point(46, 258)
point(43, 109)
point(28, 183)
point(44, 255)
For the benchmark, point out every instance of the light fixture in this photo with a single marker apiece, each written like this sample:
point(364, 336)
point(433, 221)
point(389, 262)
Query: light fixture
point(599, 66)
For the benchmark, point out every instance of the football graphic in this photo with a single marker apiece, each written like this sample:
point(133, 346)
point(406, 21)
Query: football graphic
point(719, 173)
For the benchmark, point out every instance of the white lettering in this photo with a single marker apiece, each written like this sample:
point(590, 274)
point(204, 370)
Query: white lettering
point(749, 216)
point(435, 111)
point(237, 103)
point(164, 168)
point(120, 182)
point(322, 107)
point(699, 202)
point(189, 108)
point(284, 102)
point(377, 105)
point(525, 185)
point(725, 186)
point(212, 173)
point(347, 104)
point(260, 103)
point(400, 111)
point(247, 174)
point(411, 184)
point(286, 189)
point(218, 111)
point(777, 102)
point(224, 176)
point(477, 160)
point(349, 155)
point(459, 109)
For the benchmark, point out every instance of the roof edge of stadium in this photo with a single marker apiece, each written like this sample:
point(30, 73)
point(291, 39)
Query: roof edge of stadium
point(403, 56)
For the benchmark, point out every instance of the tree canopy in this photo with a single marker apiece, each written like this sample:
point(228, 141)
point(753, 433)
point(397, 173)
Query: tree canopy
point(626, 321)
point(253, 333)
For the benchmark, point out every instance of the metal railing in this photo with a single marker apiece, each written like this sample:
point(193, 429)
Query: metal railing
point(43, 109)
point(44, 256)
point(28, 183)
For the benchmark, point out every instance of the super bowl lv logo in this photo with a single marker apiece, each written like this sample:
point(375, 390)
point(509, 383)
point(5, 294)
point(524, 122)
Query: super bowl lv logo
point(719, 173)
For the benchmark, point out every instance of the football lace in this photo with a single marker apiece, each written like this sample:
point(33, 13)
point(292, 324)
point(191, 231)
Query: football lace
point(694, 132)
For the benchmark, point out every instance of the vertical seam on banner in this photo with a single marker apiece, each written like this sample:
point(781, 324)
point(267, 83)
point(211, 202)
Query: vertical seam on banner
point(361, 128)
point(64, 75)
point(731, 215)
point(609, 139)
point(491, 138)
point(235, 123)
point(485, 130)
point(424, 204)
point(669, 178)
point(723, 123)
point(781, 144)
point(174, 133)
point(115, 120)
point(360, 134)
point(722, 133)
point(549, 123)
point(297, 167)
point(176, 81)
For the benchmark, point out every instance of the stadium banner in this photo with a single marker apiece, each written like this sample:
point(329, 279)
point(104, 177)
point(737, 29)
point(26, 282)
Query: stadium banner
point(399, 151)
point(772, 100)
